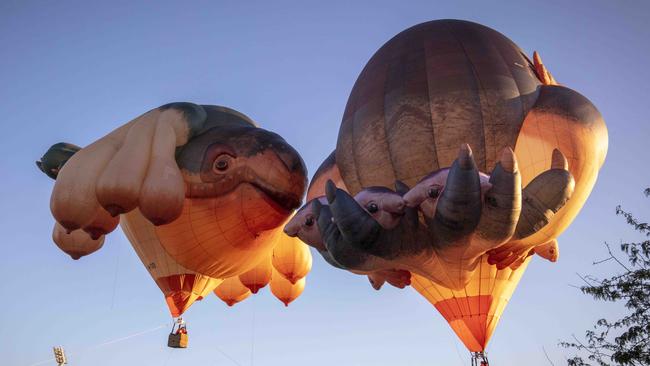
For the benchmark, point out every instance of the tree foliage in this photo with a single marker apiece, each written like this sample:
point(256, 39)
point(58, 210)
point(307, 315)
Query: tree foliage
point(624, 341)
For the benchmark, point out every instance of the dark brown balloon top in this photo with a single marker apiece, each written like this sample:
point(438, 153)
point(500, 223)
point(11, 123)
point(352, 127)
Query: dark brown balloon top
point(425, 92)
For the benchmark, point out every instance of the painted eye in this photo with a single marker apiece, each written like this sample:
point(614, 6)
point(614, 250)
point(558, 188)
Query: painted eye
point(221, 163)
point(433, 192)
point(309, 221)
point(372, 207)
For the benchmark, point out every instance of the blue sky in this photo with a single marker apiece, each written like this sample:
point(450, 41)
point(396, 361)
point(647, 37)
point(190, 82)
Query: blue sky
point(73, 71)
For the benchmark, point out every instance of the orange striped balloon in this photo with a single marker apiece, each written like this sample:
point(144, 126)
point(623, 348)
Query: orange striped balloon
point(474, 311)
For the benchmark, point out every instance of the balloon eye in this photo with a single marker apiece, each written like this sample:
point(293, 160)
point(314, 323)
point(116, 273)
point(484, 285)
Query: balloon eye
point(433, 192)
point(309, 221)
point(372, 207)
point(221, 163)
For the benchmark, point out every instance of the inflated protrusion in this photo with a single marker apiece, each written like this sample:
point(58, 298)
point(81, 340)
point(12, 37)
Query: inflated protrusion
point(544, 196)
point(55, 157)
point(397, 277)
point(232, 291)
point(77, 243)
point(284, 290)
point(291, 258)
point(502, 202)
point(356, 225)
point(258, 277)
point(549, 251)
point(559, 161)
point(459, 208)
point(118, 187)
point(542, 72)
point(341, 252)
point(103, 224)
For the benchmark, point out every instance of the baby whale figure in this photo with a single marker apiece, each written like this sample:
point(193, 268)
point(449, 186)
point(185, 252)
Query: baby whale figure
point(385, 205)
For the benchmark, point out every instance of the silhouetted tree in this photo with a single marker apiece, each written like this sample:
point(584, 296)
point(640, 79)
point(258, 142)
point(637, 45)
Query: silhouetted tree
point(624, 341)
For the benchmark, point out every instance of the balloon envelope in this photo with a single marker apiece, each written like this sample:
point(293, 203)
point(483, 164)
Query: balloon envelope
point(474, 311)
point(180, 286)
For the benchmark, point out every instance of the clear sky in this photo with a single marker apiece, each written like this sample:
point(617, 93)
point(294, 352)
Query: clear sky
point(73, 71)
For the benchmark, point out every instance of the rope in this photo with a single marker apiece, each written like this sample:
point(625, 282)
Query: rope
point(106, 343)
point(253, 331)
point(228, 357)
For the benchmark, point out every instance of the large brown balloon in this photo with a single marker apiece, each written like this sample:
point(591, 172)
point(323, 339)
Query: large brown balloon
point(496, 157)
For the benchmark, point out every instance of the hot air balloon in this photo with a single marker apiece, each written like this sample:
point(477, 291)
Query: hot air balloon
point(491, 157)
point(284, 290)
point(200, 192)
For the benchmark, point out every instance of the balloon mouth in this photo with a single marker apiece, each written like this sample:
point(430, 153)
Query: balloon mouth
point(286, 201)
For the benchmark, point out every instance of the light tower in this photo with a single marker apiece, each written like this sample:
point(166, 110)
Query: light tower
point(59, 355)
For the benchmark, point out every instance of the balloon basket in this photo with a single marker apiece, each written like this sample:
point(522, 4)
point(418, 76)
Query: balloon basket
point(177, 340)
point(178, 336)
point(479, 359)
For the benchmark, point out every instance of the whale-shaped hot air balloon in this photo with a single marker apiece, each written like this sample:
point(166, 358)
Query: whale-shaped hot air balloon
point(200, 191)
point(213, 184)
